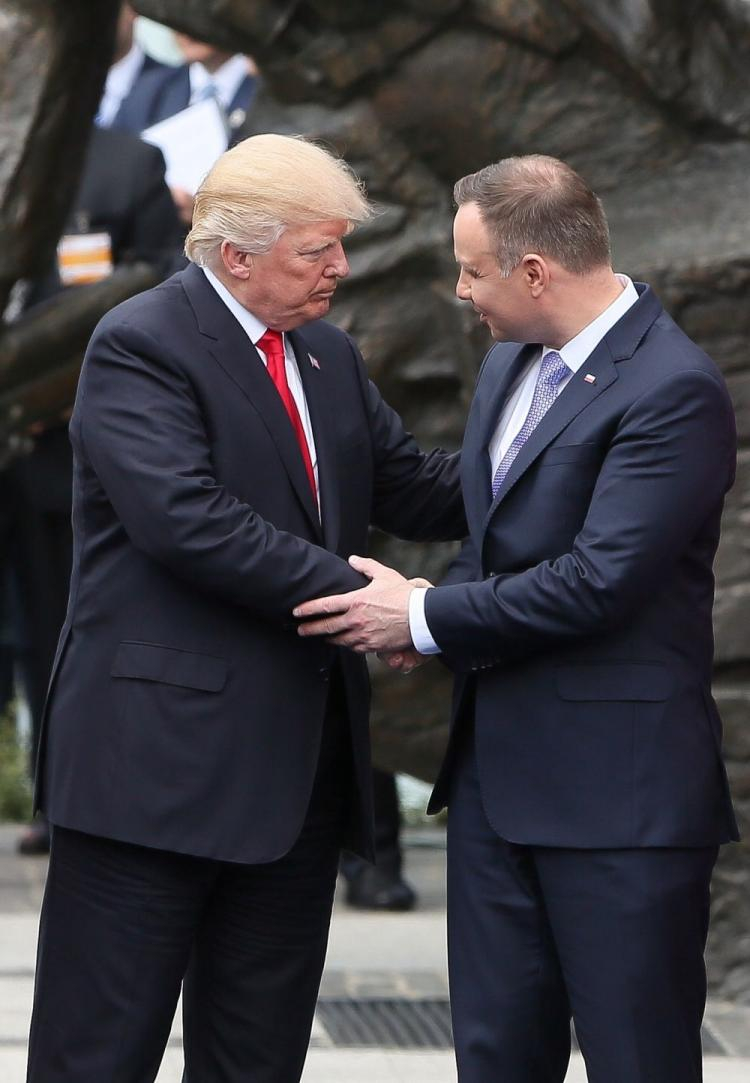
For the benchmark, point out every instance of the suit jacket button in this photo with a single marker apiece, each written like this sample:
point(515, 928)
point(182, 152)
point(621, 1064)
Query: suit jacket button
point(323, 671)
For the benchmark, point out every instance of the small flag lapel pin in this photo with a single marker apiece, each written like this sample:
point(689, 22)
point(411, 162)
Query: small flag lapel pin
point(589, 378)
point(314, 362)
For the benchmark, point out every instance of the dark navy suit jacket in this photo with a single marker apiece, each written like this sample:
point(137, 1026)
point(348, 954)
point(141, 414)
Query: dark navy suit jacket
point(162, 93)
point(150, 69)
point(580, 607)
point(185, 712)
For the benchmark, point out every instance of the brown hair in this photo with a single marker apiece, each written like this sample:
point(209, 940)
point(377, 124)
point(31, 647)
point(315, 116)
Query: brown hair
point(538, 204)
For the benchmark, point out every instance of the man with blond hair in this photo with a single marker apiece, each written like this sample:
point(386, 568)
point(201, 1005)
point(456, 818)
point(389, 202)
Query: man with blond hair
point(201, 764)
point(585, 788)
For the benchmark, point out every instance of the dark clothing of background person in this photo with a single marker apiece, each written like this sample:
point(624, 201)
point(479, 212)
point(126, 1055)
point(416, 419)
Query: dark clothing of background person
point(162, 93)
point(122, 120)
point(123, 193)
point(9, 631)
point(380, 886)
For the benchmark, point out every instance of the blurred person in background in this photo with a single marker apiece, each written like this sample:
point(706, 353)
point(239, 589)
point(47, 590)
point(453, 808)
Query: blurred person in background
point(231, 79)
point(129, 66)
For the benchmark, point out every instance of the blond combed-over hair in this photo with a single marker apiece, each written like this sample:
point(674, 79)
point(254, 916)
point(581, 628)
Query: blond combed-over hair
point(264, 184)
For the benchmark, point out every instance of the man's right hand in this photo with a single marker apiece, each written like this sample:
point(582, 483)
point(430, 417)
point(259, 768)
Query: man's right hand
point(406, 661)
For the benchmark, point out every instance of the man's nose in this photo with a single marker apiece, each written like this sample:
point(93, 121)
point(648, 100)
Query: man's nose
point(463, 288)
point(339, 265)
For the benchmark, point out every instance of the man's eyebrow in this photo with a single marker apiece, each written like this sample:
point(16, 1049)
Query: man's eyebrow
point(316, 247)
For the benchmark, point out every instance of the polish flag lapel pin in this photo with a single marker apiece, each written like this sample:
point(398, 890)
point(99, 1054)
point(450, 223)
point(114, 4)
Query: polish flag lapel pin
point(589, 378)
point(314, 362)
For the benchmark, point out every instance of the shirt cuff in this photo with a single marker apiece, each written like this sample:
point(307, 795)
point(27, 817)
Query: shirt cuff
point(420, 633)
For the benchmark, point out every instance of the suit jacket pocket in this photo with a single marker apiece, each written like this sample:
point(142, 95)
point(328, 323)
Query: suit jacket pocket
point(169, 665)
point(570, 453)
point(623, 681)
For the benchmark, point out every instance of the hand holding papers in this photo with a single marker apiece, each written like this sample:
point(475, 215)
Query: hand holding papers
point(190, 141)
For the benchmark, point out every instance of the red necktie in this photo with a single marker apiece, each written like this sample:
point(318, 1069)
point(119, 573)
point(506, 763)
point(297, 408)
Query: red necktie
point(272, 345)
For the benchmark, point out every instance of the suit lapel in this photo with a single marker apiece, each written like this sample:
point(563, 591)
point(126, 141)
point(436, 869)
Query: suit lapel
point(575, 396)
point(319, 396)
point(620, 342)
point(500, 375)
point(234, 352)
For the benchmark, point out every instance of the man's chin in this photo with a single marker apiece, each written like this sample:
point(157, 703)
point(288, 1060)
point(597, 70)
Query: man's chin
point(319, 306)
point(496, 333)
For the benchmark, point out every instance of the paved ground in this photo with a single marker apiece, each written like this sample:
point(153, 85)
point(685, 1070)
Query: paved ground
point(394, 956)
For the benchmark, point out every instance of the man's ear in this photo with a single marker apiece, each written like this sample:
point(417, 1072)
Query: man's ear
point(237, 262)
point(536, 273)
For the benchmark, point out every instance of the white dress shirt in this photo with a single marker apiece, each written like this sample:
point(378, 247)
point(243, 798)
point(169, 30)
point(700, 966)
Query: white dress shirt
point(574, 353)
point(255, 329)
point(120, 79)
point(224, 82)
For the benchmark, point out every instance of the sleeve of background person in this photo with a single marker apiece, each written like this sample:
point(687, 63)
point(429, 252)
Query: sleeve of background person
point(142, 432)
point(156, 233)
point(416, 495)
point(666, 470)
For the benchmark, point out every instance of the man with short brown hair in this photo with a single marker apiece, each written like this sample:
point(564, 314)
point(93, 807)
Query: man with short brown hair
point(586, 793)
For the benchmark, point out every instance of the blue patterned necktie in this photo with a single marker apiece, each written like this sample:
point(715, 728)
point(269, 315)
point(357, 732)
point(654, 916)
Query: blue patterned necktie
point(552, 371)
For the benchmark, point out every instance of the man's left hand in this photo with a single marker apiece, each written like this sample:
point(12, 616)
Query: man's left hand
point(375, 618)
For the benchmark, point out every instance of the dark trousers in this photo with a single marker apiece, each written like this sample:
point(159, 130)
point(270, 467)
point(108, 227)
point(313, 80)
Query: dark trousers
point(614, 938)
point(121, 924)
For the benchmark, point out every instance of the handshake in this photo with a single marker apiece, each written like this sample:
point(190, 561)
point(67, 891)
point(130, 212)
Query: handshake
point(373, 619)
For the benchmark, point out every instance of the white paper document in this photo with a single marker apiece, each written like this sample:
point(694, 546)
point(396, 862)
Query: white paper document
point(190, 141)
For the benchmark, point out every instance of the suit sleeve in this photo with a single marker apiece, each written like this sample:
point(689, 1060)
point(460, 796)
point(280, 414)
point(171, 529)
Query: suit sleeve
point(142, 432)
point(666, 472)
point(464, 568)
point(416, 495)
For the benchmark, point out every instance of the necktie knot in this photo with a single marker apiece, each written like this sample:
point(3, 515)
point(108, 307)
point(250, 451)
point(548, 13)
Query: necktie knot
point(553, 369)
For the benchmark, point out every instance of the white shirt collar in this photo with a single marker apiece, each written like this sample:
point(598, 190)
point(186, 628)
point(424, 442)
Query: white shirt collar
point(251, 325)
point(580, 348)
point(226, 80)
point(118, 84)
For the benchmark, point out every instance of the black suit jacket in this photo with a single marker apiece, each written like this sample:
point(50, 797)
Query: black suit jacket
point(581, 603)
point(124, 120)
point(122, 192)
point(185, 712)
